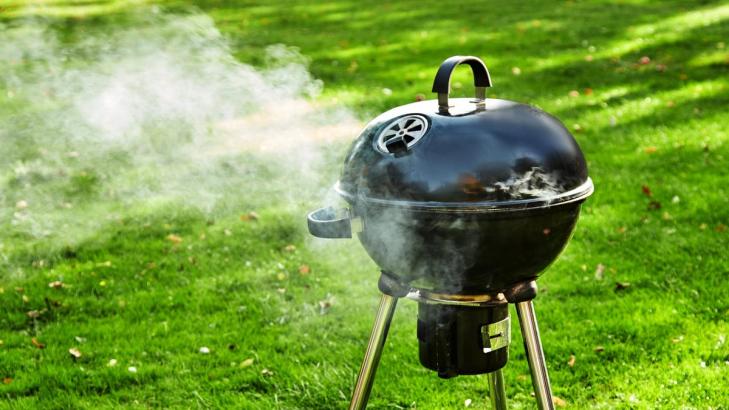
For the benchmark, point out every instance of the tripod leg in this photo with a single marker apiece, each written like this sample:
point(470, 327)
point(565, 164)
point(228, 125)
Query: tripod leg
point(374, 349)
point(496, 390)
point(535, 355)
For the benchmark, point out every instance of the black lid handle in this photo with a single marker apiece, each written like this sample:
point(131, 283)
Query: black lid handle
point(442, 82)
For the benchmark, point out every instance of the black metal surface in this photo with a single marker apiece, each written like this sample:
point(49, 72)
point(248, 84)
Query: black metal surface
point(442, 81)
point(485, 198)
point(466, 253)
point(505, 152)
point(325, 223)
point(450, 339)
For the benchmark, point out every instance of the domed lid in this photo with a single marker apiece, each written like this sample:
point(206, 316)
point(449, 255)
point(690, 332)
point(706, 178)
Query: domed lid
point(465, 154)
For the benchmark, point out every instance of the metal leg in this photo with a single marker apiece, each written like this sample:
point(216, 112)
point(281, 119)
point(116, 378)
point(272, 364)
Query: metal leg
point(535, 355)
point(497, 391)
point(374, 349)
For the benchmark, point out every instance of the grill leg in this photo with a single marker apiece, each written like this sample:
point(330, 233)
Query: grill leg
point(497, 391)
point(374, 350)
point(535, 355)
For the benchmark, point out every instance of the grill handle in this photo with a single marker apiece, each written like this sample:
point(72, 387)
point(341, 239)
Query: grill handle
point(442, 82)
point(324, 223)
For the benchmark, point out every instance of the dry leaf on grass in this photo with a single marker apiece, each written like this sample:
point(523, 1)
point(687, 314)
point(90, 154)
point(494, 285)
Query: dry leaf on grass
point(599, 349)
point(56, 284)
point(250, 216)
point(304, 270)
point(289, 248)
point(32, 314)
point(599, 271)
point(74, 352)
point(37, 344)
point(7, 380)
point(266, 372)
point(176, 239)
point(559, 402)
point(621, 285)
point(646, 190)
point(571, 362)
point(246, 363)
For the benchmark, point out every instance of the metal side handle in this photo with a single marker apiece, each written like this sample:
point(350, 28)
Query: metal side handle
point(330, 223)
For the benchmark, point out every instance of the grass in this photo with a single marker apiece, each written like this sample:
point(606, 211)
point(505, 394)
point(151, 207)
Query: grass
point(149, 300)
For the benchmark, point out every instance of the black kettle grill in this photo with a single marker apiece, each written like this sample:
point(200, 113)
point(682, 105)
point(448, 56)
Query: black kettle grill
point(462, 203)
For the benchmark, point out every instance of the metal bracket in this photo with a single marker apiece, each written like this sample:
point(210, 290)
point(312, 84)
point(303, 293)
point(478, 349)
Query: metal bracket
point(496, 335)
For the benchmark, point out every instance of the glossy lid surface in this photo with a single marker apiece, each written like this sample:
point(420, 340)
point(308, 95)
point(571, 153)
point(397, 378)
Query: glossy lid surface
point(477, 155)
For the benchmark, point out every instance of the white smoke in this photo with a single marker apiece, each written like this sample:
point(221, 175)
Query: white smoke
point(156, 112)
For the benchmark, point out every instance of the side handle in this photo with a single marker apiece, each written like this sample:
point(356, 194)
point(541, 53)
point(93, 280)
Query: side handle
point(325, 223)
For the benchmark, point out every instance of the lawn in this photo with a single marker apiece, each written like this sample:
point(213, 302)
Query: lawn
point(154, 186)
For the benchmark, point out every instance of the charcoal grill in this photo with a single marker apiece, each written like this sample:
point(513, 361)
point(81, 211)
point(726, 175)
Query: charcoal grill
point(462, 203)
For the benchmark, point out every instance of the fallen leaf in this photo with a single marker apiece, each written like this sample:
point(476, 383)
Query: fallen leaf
point(132, 369)
point(670, 104)
point(289, 248)
point(204, 350)
point(304, 270)
point(574, 93)
point(599, 271)
point(621, 285)
point(21, 204)
point(250, 216)
point(720, 228)
point(516, 70)
point(74, 352)
point(112, 363)
point(37, 344)
point(546, 231)
point(646, 190)
point(56, 284)
point(174, 238)
point(7, 380)
point(588, 91)
point(644, 60)
point(654, 205)
point(558, 402)
point(32, 314)
point(419, 97)
point(650, 150)
point(589, 58)
point(622, 229)
point(571, 362)
point(522, 377)
point(599, 349)
point(246, 363)
point(281, 290)
point(266, 372)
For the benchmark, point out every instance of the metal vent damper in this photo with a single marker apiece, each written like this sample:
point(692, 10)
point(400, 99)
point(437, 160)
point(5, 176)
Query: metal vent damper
point(402, 134)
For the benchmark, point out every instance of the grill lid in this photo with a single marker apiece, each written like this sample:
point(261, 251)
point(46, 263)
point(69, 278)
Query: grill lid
point(465, 154)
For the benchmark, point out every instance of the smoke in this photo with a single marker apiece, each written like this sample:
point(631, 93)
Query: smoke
point(155, 112)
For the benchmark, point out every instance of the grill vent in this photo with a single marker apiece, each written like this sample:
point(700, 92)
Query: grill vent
point(402, 134)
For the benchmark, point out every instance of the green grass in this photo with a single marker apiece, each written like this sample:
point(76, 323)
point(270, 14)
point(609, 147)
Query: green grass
point(133, 295)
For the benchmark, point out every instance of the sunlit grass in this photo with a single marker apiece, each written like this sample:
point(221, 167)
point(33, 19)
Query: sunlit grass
point(653, 129)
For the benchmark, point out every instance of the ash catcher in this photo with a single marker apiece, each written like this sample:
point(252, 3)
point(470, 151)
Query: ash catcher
point(462, 203)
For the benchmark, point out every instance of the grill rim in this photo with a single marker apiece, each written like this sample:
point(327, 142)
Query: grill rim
point(577, 194)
